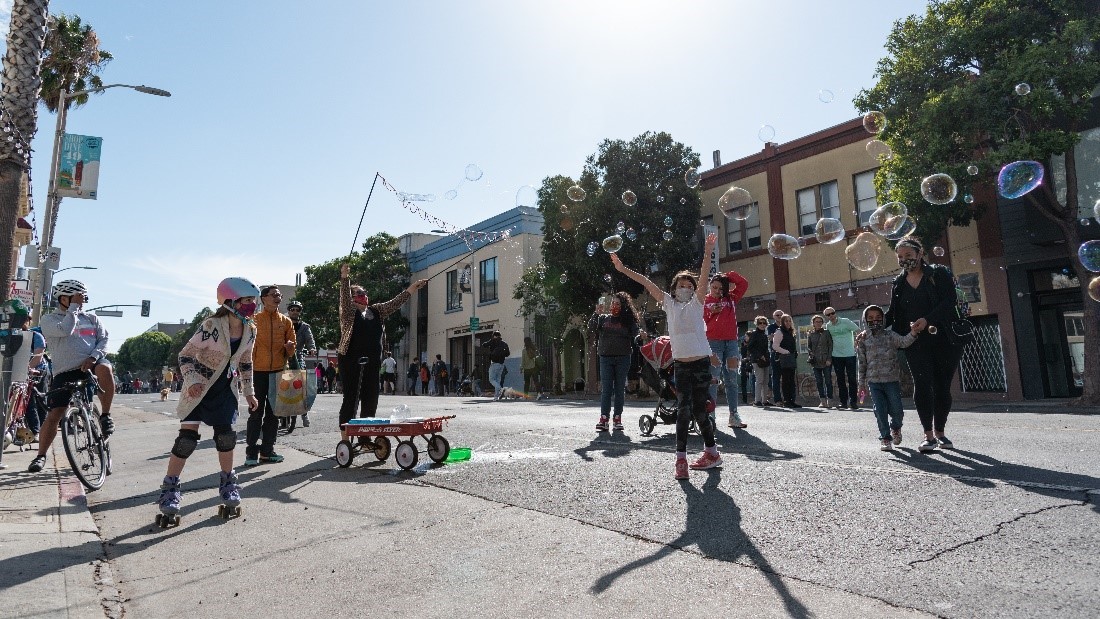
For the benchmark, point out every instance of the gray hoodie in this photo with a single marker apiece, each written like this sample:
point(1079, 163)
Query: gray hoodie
point(878, 353)
point(72, 337)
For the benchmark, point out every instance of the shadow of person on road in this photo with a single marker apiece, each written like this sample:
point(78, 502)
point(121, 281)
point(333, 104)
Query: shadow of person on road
point(714, 527)
point(613, 446)
point(743, 442)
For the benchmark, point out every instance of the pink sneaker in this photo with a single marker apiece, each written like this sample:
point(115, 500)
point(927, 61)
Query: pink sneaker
point(681, 468)
point(707, 461)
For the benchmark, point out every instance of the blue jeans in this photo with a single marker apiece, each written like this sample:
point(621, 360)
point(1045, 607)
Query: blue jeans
point(496, 376)
point(845, 368)
point(613, 371)
point(824, 378)
point(887, 400)
point(726, 350)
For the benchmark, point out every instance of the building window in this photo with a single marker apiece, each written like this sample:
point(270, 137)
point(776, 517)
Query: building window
point(487, 284)
point(866, 199)
point(821, 301)
point(815, 203)
point(743, 235)
point(454, 295)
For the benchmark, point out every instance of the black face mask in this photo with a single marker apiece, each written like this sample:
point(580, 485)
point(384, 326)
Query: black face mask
point(874, 325)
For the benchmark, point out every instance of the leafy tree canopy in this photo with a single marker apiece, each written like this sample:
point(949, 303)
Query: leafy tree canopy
point(379, 268)
point(144, 353)
point(71, 60)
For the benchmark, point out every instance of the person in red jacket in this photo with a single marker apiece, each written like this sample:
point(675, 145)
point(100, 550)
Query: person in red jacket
point(720, 314)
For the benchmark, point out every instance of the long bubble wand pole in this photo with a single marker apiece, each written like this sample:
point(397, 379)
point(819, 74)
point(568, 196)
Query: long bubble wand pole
point(352, 251)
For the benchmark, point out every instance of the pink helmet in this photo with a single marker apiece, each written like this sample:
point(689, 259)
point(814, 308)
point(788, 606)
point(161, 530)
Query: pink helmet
point(234, 288)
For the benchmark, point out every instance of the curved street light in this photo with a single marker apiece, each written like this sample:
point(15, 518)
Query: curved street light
point(53, 201)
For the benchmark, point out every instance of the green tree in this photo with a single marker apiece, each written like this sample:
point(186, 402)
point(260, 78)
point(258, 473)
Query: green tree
point(145, 352)
point(21, 83)
point(652, 166)
point(379, 268)
point(71, 61)
point(947, 88)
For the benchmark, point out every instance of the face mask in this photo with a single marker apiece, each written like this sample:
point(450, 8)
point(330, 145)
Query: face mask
point(615, 310)
point(908, 264)
point(246, 310)
point(361, 299)
point(874, 325)
point(684, 295)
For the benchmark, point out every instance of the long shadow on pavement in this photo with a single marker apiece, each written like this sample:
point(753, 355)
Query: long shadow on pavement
point(618, 444)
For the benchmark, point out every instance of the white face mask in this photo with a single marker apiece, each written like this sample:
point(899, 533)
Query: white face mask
point(684, 295)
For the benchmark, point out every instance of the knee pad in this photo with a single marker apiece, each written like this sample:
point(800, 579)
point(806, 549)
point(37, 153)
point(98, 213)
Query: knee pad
point(185, 443)
point(225, 438)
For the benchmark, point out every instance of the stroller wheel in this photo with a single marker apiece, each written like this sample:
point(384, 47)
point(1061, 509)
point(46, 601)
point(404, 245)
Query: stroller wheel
point(646, 423)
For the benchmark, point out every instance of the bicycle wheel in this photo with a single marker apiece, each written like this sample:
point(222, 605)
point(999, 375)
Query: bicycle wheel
point(83, 448)
point(807, 388)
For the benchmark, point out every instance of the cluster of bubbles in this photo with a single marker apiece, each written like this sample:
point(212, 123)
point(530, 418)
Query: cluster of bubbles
point(472, 174)
point(667, 234)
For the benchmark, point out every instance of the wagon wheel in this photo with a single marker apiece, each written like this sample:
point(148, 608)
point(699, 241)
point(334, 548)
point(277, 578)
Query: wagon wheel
point(438, 448)
point(381, 447)
point(344, 454)
point(406, 455)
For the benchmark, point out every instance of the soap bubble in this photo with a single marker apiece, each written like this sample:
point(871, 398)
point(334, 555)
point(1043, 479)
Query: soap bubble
point(828, 230)
point(907, 228)
point(591, 249)
point(863, 253)
point(683, 200)
point(620, 227)
point(629, 198)
point(933, 329)
point(879, 150)
point(607, 277)
point(825, 95)
point(973, 261)
point(968, 198)
point(1018, 178)
point(519, 260)
point(874, 122)
point(1023, 88)
point(631, 235)
point(564, 278)
point(660, 198)
point(473, 172)
point(668, 221)
point(667, 235)
point(938, 188)
point(766, 133)
point(527, 196)
point(575, 193)
point(1089, 254)
point(972, 170)
point(451, 195)
point(784, 247)
point(566, 223)
point(692, 178)
point(888, 218)
point(938, 251)
point(613, 243)
point(564, 209)
point(736, 203)
point(1094, 289)
point(1096, 210)
point(1084, 221)
point(1019, 295)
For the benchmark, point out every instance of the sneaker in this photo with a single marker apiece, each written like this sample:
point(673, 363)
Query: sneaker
point(107, 423)
point(758, 404)
point(271, 458)
point(767, 403)
point(896, 436)
point(601, 425)
point(887, 445)
point(681, 468)
point(305, 421)
point(251, 460)
point(37, 464)
point(823, 403)
point(618, 423)
point(927, 446)
point(735, 421)
point(945, 443)
point(707, 461)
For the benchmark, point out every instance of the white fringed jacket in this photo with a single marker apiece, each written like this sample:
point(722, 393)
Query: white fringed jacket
point(205, 357)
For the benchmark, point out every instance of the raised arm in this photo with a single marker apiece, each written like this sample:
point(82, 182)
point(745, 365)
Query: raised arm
point(708, 249)
point(650, 287)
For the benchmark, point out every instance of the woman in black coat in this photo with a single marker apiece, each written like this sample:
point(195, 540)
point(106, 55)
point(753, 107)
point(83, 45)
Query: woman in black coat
point(759, 351)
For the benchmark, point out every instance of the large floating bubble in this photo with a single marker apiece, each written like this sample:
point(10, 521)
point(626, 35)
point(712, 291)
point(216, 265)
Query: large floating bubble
point(938, 188)
point(1018, 178)
point(863, 253)
point(451, 194)
point(591, 249)
point(1089, 254)
point(766, 133)
point(784, 247)
point(1094, 289)
point(1023, 88)
point(938, 251)
point(692, 178)
point(668, 221)
point(825, 95)
point(575, 193)
point(613, 243)
point(736, 203)
point(667, 235)
point(880, 150)
point(972, 170)
point(874, 122)
point(907, 227)
point(828, 230)
point(473, 172)
point(527, 196)
point(629, 198)
point(888, 218)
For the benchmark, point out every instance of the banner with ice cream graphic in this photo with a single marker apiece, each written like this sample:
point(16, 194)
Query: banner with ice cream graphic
point(78, 166)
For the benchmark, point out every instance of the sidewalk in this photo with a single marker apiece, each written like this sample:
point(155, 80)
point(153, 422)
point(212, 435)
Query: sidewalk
point(50, 551)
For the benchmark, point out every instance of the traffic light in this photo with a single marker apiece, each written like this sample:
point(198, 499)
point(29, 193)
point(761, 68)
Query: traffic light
point(145, 308)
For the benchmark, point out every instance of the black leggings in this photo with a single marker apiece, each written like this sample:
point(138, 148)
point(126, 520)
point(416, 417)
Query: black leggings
point(693, 389)
point(367, 396)
point(786, 379)
point(933, 361)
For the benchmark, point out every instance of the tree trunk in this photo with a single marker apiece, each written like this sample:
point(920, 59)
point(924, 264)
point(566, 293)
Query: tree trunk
point(10, 175)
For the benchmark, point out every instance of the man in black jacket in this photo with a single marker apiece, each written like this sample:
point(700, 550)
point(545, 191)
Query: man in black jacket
point(498, 353)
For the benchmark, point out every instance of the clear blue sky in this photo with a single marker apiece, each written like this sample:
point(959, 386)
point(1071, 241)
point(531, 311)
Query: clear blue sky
point(260, 162)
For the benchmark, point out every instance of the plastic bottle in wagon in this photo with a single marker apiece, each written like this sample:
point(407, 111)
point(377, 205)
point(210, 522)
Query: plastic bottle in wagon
point(400, 413)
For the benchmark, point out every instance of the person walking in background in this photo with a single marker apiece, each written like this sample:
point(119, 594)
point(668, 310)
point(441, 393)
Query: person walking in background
point(819, 348)
point(880, 373)
point(389, 374)
point(843, 332)
point(785, 347)
point(425, 378)
point(759, 350)
point(529, 364)
point(330, 377)
point(362, 336)
point(305, 344)
point(498, 354)
point(720, 314)
point(276, 343)
point(616, 331)
point(777, 315)
point(440, 374)
point(412, 375)
point(319, 372)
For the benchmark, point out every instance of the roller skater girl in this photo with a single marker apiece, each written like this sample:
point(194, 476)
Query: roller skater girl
point(222, 343)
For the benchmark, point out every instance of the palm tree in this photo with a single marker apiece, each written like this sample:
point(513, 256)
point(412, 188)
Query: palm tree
point(21, 83)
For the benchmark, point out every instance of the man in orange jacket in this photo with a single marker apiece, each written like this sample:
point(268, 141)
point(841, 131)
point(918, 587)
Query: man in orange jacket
point(275, 345)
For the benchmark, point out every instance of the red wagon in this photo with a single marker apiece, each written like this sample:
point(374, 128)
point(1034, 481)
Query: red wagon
point(406, 454)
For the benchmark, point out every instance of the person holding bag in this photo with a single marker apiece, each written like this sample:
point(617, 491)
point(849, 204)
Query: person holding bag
point(759, 350)
point(276, 344)
point(785, 347)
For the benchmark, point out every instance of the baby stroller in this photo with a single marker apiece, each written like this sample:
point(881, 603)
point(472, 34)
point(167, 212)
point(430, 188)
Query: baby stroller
point(657, 373)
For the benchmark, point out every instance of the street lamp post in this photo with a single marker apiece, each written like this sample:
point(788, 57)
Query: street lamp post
point(53, 201)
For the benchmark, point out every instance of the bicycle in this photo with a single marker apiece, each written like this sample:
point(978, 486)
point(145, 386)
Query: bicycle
point(88, 451)
point(20, 396)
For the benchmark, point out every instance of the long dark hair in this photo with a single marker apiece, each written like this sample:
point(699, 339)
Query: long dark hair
point(725, 282)
point(628, 310)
